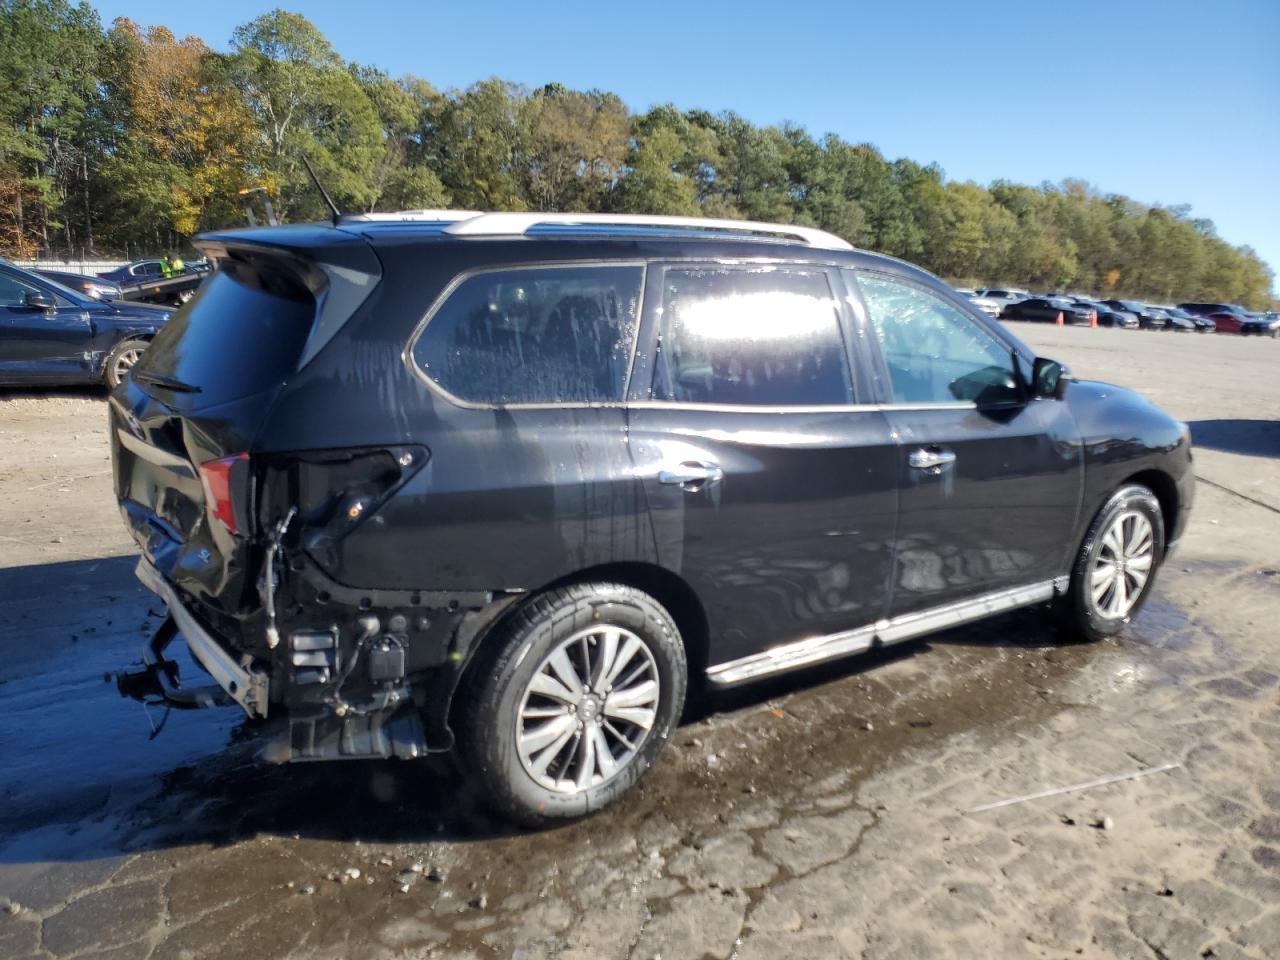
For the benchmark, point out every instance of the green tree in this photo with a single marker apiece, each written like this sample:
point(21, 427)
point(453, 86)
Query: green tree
point(577, 143)
point(50, 123)
point(483, 144)
point(401, 178)
point(306, 103)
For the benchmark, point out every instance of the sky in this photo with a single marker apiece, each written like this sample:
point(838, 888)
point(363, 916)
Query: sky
point(1170, 102)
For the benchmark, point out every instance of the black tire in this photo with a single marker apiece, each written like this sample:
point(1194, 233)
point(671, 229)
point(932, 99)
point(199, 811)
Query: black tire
point(1081, 614)
point(496, 685)
point(117, 363)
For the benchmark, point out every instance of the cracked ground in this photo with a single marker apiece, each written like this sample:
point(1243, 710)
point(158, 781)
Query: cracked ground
point(830, 815)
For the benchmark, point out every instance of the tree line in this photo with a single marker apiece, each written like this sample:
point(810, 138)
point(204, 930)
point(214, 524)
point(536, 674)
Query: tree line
point(127, 140)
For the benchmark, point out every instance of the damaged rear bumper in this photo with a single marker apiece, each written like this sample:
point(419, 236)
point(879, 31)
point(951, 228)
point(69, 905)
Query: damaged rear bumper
point(237, 679)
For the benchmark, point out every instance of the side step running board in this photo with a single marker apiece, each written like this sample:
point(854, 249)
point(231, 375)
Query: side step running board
point(804, 653)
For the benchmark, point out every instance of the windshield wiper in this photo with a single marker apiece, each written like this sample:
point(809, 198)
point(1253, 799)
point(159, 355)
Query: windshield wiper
point(169, 383)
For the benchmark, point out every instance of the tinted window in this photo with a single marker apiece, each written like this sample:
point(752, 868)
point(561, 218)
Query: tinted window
point(758, 337)
point(535, 335)
point(241, 334)
point(934, 352)
point(13, 292)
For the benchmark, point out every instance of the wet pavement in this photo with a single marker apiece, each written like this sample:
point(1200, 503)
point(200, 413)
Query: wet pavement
point(827, 815)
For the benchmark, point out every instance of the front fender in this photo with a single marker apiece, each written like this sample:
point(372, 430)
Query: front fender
point(1124, 434)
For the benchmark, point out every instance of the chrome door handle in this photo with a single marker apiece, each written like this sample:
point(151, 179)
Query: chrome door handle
point(691, 472)
point(931, 458)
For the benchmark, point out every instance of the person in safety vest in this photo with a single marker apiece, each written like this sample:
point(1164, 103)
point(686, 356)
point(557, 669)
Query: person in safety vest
point(171, 266)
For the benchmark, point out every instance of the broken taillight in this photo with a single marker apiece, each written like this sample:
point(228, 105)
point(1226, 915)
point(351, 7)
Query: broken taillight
point(222, 479)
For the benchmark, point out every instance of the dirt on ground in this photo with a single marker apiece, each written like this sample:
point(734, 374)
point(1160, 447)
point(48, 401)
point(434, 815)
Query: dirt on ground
point(834, 814)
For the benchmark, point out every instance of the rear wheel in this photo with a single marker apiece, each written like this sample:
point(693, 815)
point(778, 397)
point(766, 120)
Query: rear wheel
point(572, 703)
point(1117, 563)
point(121, 360)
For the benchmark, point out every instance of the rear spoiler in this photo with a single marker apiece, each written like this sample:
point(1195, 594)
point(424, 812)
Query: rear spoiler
point(339, 268)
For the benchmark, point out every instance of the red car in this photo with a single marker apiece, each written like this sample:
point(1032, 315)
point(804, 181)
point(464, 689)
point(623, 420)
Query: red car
point(1227, 316)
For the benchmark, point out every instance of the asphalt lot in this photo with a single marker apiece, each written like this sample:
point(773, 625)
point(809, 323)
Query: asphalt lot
point(826, 816)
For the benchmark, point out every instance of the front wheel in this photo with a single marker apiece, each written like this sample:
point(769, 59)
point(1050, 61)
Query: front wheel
point(1117, 563)
point(121, 360)
point(571, 703)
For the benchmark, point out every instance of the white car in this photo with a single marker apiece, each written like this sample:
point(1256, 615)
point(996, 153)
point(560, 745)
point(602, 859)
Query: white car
point(988, 306)
point(1004, 296)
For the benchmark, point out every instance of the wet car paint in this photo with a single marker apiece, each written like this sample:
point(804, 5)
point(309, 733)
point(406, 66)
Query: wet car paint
point(798, 540)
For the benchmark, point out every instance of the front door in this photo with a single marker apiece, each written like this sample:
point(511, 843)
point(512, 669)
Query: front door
point(990, 480)
point(36, 344)
point(771, 489)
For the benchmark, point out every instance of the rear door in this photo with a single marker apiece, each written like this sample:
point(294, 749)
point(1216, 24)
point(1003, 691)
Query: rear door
point(37, 344)
point(771, 487)
point(990, 482)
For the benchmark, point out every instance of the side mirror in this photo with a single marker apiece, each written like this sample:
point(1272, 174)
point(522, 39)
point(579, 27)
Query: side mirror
point(40, 301)
point(1049, 379)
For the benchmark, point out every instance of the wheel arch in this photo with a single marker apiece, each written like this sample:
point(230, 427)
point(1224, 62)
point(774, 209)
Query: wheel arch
point(145, 335)
point(1166, 493)
point(669, 589)
point(666, 587)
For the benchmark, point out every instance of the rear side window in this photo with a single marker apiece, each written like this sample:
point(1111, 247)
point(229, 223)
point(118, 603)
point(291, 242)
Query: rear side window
point(754, 337)
point(242, 334)
point(535, 335)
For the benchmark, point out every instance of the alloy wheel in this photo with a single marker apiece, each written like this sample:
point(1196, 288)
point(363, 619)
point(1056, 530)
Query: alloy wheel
point(588, 709)
point(1122, 565)
point(124, 363)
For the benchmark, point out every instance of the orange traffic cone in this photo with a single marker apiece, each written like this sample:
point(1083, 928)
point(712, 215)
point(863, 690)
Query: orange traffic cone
point(1059, 320)
point(1093, 319)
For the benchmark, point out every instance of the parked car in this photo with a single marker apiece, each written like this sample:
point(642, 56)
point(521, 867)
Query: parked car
point(1168, 320)
point(1201, 324)
point(988, 306)
point(1110, 317)
point(51, 334)
point(1147, 319)
point(1262, 324)
point(409, 487)
point(1004, 297)
point(93, 287)
point(1227, 317)
point(143, 281)
point(135, 272)
point(1050, 311)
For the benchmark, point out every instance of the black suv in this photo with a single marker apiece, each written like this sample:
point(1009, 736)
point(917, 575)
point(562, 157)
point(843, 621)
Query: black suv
point(528, 478)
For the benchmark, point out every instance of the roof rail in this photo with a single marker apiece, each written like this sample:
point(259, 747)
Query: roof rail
point(417, 216)
point(518, 224)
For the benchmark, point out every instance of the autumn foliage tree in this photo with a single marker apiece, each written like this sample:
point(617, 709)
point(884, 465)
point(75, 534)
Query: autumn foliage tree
point(130, 140)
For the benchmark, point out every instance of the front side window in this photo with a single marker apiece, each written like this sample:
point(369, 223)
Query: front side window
point(13, 292)
point(535, 335)
point(935, 353)
point(750, 336)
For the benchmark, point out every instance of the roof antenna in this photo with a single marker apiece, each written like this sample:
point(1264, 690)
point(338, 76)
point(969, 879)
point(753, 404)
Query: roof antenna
point(337, 214)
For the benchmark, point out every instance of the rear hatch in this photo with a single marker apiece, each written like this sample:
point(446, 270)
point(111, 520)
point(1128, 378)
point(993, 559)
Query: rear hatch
point(183, 426)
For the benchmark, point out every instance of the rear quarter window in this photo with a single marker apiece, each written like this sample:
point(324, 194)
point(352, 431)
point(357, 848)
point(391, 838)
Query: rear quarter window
point(554, 334)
